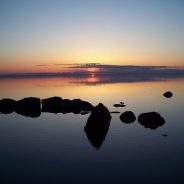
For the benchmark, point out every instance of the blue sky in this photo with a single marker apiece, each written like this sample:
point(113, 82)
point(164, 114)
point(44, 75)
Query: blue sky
point(108, 31)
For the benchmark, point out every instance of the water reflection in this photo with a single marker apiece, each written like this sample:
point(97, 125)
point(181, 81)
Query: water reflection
point(102, 74)
point(98, 123)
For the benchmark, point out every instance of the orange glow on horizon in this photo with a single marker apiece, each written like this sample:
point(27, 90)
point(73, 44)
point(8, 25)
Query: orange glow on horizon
point(53, 62)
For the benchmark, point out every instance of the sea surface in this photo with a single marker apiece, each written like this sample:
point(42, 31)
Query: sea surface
point(54, 148)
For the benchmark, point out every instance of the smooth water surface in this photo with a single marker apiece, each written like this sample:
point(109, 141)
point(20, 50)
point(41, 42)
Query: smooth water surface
point(54, 148)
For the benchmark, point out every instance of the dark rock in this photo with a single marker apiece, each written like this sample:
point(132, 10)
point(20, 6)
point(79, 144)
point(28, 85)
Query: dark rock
point(151, 120)
point(52, 104)
point(57, 104)
point(28, 104)
point(128, 117)
point(83, 105)
point(66, 103)
point(66, 106)
point(97, 125)
point(7, 106)
point(168, 94)
point(85, 112)
point(119, 105)
point(31, 114)
point(29, 107)
point(76, 106)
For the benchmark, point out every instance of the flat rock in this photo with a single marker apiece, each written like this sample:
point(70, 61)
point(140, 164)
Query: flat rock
point(128, 117)
point(151, 120)
point(7, 105)
point(168, 94)
point(119, 105)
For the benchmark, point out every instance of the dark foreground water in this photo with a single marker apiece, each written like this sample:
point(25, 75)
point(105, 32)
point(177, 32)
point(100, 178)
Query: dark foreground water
point(54, 148)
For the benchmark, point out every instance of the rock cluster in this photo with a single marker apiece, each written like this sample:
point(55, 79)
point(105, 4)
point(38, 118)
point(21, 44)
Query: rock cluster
point(32, 106)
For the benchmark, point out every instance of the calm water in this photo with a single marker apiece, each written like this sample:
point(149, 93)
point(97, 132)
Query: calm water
point(54, 148)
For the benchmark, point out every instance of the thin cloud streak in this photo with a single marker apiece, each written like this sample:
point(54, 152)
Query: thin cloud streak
point(86, 74)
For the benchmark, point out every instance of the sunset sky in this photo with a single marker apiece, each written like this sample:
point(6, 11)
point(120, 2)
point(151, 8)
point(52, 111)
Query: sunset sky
point(124, 32)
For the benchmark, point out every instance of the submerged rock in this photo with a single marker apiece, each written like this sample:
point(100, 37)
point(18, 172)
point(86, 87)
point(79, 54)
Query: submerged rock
point(168, 94)
point(165, 135)
point(97, 125)
point(151, 120)
point(52, 104)
point(128, 117)
point(7, 106)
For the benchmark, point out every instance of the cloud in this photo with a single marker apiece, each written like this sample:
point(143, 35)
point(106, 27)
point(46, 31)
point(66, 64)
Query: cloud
point(42, 65)
point(79, 73)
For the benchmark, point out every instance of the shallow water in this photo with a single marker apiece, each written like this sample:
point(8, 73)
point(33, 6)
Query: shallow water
point(54, 148)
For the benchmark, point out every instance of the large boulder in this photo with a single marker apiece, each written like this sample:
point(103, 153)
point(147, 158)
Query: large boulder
point(97, 125)
point(168, 94)
point(128, 117)
point(28, 104)
point(52, 104)
point(151, 120)
point(7, 105)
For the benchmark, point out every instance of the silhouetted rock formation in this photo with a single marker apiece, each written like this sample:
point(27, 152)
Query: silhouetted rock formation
point(28, 113)
point(57, 104)
point(52, 104)
point(29, 103)
point(82, 105)
point(97, 125)
point(7, 105)
point(29, 107)
point(121, 104)
point(128, 117)
point(85, 112)
point(168, 94)
point(151, 120)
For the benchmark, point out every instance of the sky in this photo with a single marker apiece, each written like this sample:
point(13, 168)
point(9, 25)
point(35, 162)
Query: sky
point(118, 32)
